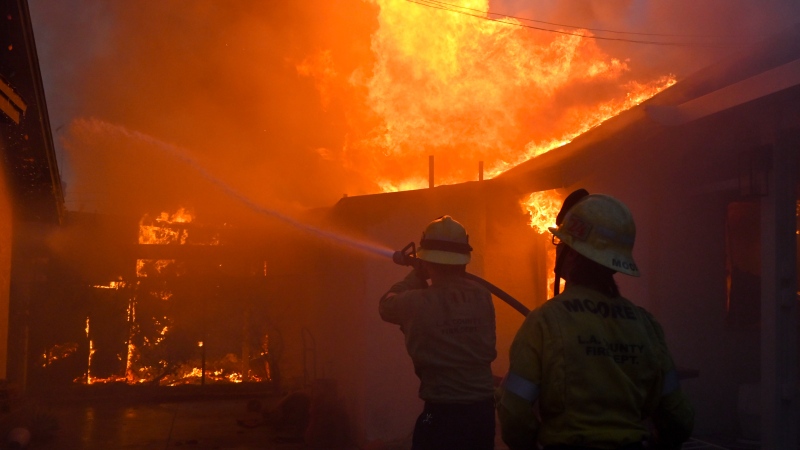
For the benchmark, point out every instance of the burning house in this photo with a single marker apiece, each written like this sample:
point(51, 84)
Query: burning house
point(237, 295)
point(150, 300)
point(709, 169)
point(167, 301)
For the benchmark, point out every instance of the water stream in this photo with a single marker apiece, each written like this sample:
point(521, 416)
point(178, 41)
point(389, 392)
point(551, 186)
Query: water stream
point(102, 127)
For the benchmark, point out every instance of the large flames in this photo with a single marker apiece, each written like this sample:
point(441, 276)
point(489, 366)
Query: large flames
point(543, 207)
point(471, 90)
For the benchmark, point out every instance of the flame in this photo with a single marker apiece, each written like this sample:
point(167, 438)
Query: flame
point(543, 207)
point(132, 353)
point(144, 344)
point(587, 119)
point(58, 352)
point(467, 90)
point(159, 231)
point(116, 285)
point(88, 375)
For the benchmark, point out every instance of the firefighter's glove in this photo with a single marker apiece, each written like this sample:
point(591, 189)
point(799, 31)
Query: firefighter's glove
point(417, 278)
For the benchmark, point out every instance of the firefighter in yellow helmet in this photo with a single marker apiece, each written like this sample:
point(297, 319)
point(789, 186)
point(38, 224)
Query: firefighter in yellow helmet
point(588, 368)
point(449, 328)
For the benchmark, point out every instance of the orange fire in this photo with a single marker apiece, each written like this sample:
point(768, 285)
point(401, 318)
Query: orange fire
point(58, 352)
point(158, 230)
point(164, 229)
point(543, 208)
point(466, 89)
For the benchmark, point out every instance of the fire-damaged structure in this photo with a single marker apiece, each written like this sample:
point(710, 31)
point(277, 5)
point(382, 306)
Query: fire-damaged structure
point(709, 170)
point(88, 298)
point(166, 300)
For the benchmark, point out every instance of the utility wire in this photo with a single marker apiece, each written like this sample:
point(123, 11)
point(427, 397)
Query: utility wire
point(484, 15)
point(602, 30)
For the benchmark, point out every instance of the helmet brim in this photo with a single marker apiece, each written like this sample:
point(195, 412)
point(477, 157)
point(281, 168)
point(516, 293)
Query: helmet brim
point(443, 257)
point(617, 259)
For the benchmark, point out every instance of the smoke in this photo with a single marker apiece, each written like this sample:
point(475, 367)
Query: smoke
point(219, 79)
point(293, 104)
point(712, 29)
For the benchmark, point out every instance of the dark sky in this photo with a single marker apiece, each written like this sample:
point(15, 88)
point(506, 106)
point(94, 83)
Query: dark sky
point(275, 99)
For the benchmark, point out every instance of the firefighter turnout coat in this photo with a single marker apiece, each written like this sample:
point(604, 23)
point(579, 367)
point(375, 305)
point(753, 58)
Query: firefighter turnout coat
point(449, 330)
point(600, 373)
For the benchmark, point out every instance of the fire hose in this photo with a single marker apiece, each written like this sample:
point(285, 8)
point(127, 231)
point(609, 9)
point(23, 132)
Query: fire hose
point(408, 257)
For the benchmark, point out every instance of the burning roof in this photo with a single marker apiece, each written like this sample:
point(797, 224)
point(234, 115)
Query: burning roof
point(356, 106)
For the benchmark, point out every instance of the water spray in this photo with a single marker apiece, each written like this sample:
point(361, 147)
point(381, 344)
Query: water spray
point(183, 156)
point(405, 257)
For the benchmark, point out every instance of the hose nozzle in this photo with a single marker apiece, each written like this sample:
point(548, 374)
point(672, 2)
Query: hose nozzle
point(407, 256)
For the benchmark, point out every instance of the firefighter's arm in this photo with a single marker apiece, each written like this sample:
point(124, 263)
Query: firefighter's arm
point(391, 304)
point(519, 425)
point(673, 420)
point(519, 390)
point(673, 417)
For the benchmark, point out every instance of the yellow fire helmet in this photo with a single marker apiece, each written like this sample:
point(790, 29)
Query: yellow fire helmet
point(444, 241)
point(601, 228)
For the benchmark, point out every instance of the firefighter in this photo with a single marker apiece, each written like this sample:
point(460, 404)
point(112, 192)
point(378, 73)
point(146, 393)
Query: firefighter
point(588, 368)
point(449, 329)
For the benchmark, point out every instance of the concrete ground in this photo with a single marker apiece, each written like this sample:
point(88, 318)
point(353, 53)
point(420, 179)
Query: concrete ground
point(191, 425)
point(150, 424)
point(187, 421)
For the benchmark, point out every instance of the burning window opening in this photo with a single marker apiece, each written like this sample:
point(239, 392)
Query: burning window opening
point(165, 228)
point(145, 331)
point(543, 207)
point(171, 229)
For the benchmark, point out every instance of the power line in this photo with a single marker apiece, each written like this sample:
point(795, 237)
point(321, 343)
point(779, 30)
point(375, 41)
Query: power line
point(602, 30)
point(435, 4)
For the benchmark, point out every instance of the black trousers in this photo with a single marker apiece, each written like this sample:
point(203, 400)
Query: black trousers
point(445, 426)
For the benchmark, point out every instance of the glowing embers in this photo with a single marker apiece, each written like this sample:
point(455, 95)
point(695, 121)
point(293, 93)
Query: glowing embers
point(150, 341)
point(58, 352)
point(543, 207)
point(110, 285)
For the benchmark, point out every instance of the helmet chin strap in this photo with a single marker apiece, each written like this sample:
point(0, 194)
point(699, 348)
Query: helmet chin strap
point(557, 269)
point(569, 202)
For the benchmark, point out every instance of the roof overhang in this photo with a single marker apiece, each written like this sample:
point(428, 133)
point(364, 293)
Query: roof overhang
point(761, 85)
